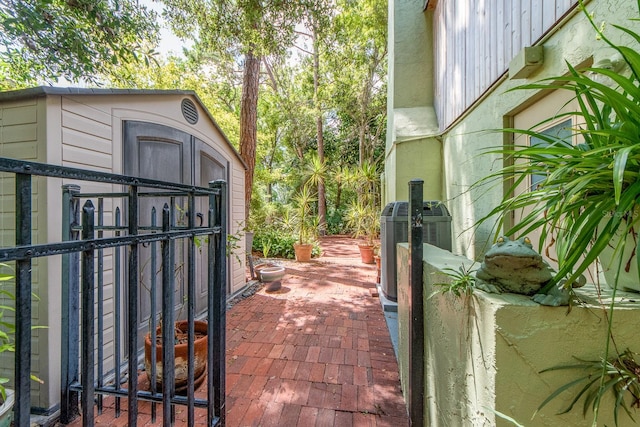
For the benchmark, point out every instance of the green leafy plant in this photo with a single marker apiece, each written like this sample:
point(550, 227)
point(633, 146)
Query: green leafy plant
point(621, 376)
point(280, 243)
point(363, 215)
point(463, 281)
point(588, 195)
point(304, 221)
point(7, 326)
point(588, 192)
point(266, 248)
point(233, 240)
point(364, 221)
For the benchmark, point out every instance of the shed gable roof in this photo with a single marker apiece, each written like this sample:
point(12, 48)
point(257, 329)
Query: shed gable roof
point(43, 91)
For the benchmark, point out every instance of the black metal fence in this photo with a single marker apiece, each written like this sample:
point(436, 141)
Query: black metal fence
point(94, 365)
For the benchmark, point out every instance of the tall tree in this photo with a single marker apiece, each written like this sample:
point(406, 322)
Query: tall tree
point(234, 29)
point(45, 40)
point(218, 92)
point(318, 24)
point(360, 87)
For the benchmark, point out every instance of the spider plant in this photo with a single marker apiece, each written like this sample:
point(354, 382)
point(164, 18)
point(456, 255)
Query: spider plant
point(589, 192)
point(463, 281)
point(622, 382)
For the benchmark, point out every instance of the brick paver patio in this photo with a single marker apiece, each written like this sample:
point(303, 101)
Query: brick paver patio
point(315, 353)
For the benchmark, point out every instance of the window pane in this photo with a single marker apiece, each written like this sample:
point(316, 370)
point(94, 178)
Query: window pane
point(562, 131)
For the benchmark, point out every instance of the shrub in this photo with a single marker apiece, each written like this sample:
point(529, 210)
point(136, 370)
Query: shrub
point(273, 242)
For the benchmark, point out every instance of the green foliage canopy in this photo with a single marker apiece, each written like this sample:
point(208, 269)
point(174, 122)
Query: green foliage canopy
point(45, 40)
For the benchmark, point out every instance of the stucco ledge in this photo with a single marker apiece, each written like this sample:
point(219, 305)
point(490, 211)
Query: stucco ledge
point(484, 354)
point(416, 122)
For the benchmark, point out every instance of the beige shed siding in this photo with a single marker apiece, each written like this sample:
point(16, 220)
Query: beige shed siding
point(236, 188)
point(86, 132)
point(474, 41)
point(86, 137)
point(22, 136)
point(86, 143)
point(19, 130)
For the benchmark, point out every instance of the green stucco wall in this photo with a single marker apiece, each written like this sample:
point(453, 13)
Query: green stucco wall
point(413, 149)
point(411, 116)
point(418, 158)
point(484, 354)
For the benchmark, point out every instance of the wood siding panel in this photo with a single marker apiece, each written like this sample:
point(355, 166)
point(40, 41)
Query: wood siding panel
point(498, 33)
point(86, 125)
point(536, 19)
point(91, 112)
point(19, 133)
point(87, 141)
point(491, 35)
point(515, 33)
point(438, 52)
point(86, 137)
point(19, 115)
point(18, 123)
point(476, 39)
point(26, 150)
point(85, 158)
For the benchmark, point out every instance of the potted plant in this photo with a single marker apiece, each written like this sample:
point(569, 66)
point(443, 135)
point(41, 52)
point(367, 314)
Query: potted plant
point(363, 215)
point(153, 341)
point(364, 221)
point(7, 344)
point(7, 328)
point(180, 353)
point(304, 223)
point(589, 194)
point(587, 198)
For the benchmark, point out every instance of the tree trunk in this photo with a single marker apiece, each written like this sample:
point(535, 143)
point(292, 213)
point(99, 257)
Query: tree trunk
point(249, 123)
point(322, 201)
point(361, 145)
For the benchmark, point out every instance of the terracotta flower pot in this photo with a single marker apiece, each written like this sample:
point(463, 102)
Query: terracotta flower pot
point(366, 253)
point(303, 252)
point(181, 356)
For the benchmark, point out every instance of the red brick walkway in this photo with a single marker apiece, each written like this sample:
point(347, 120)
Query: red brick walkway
point(315, 353)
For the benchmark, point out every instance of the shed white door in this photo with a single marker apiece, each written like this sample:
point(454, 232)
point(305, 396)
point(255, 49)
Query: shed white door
point(160, 152)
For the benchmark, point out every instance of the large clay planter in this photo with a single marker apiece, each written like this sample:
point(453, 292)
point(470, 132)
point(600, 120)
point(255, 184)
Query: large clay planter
point(181, 358)
point(366, 253)
point(303, 252)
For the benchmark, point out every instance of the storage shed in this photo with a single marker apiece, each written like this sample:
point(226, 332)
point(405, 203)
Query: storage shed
point(159, 134)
